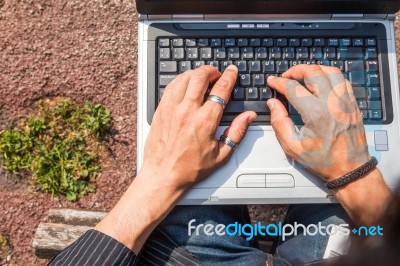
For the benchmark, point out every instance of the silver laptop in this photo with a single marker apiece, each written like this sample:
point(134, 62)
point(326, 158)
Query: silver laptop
point(266, 38)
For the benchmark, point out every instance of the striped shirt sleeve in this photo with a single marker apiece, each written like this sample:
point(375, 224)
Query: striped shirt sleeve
point(92, 249)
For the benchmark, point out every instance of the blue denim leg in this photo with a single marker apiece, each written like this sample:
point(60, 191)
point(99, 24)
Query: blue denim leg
point(300, 249)
point(214, 249)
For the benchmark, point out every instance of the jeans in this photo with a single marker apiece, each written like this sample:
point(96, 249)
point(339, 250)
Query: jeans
point(235, 250)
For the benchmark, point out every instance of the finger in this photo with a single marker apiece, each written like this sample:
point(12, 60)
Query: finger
point(198, 84)
point(175, 90)
point(296, 94)
point(284, 128)
point(222, 88)
point(235, 132)
point(314, 78)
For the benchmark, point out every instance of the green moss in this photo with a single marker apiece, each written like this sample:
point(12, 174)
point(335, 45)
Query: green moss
point(58, 145)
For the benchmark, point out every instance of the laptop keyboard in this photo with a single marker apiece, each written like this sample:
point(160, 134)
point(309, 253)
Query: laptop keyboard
point(257, 58)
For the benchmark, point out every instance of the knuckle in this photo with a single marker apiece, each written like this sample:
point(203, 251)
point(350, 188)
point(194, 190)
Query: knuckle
point(314, 68)
point(222, 83)
point(200, 74)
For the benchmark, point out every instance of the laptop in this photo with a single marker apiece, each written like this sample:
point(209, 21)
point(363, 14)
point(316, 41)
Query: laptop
point(266, 38)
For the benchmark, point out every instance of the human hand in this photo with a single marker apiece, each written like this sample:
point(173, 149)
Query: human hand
point(332, 141)
point(182, 141)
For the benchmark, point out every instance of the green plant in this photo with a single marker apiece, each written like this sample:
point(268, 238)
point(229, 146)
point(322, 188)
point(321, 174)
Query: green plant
point(59, 145)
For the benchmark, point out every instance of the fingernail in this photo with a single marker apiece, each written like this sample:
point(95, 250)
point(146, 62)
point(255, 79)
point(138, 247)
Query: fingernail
point(271, 77)
point(271, 104)
point(232, 67)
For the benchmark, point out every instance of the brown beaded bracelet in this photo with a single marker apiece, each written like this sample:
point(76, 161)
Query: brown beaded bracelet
point(353, 175)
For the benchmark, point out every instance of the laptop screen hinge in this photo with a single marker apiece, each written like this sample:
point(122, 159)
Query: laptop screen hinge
point(347, 16)
point(188, 17)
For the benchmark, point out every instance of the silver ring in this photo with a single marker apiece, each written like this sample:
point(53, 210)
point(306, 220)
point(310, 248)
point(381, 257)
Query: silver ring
point(218, 100)
point(229, 142)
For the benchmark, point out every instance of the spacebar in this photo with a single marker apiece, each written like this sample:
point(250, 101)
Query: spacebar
point(242, 106)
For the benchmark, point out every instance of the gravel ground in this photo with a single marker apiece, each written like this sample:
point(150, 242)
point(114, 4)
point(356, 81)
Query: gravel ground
point(82, 50)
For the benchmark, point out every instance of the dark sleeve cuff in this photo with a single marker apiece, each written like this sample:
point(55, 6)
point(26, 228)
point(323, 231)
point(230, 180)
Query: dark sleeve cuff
point(95, 248)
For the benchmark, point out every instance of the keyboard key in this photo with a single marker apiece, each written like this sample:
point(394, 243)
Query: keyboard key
point(375, 114)
point(252, 93)
point(219, 53)
point(233, 53)
point(160, 93)
point(165, 53)
point(244, 79)
point(214, 64)
point(372, 66)
point(362, 104)
point(197, 64)
point(216, 42)
point(192, 53)
point(302, 53)
point(230, 42)
point(345, 42)
point(238, 93)
point(255, 42)
point(364, 114)
point(184, 66)
point(168, 67)
point(375, 105)
point(358, 42)
point(294, 42)
point(190, 42)
point(163, 42)
point(334, 42)
point(258, 79)
point(178, 53)
point(309, 62)
point(374, 93)
point(319, 42)
point(354, 65)
point(242, 42)
point(306, 42)
point(242, 106)
point(268, 42)
point(338, 64)
point(247, 52)
point(268, 66)
point(295, 63)
point(241, 65)
point(288, 53)
point(275, 53)
point(254, 67)
point(373, 79)
point(224, 65)
point(177, 42)
point(316, 53)
point(282, 66)
point(281, 42)
point(371, 53)
point(345, 53)
point(206, 53)
point(166, 79)
point(330, 53)
point(360, 92)
point(324, 62)
point(266, 93)
point(371, 42)
point(261, 53)
point(202, 42)
point(357, 77)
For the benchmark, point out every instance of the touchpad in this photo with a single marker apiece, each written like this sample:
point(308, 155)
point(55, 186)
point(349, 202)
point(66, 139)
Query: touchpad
point(261, 150)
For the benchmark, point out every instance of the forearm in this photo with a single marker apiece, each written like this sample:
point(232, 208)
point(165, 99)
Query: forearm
point(365, 199)
point(143, 206)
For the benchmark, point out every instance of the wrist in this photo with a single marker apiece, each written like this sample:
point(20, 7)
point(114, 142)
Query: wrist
point(365, 199)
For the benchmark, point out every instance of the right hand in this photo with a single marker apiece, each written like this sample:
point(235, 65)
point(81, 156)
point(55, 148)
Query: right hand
point(332, 141)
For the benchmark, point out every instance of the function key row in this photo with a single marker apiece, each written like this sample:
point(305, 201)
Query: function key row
point(268, 42)
point(275, 53)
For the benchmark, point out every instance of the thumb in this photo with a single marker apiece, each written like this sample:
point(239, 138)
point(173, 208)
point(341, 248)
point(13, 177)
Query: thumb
point(284, 127)
point(235, 132)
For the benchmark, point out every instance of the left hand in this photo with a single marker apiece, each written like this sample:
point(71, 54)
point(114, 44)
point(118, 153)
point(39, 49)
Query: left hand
point(182, 143)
